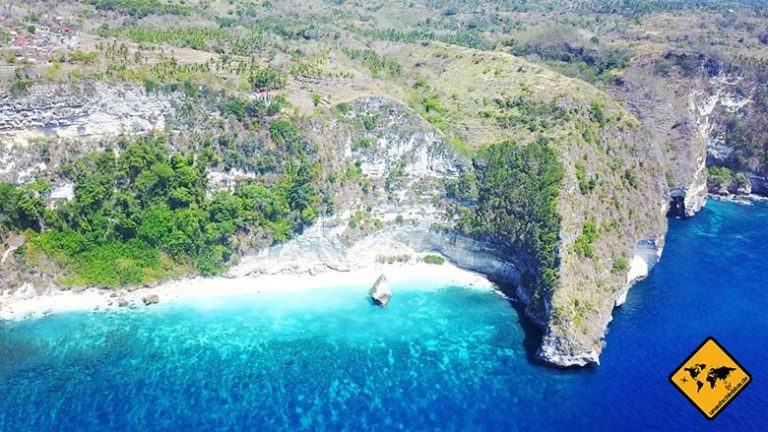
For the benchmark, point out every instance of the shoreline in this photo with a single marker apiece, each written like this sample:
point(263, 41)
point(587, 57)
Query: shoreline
point(741, 199)
point(26, 304)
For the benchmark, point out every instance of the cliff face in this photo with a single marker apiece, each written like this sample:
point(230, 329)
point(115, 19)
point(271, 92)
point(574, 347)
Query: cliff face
point(671, 111)
point(398, 208)
point(87, 111)
point(390, 171)
point(57, 123)
point(629, 212)
point(732, 117)
point(696, 118)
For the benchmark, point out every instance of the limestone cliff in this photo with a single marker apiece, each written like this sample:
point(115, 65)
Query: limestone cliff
point(390, 202)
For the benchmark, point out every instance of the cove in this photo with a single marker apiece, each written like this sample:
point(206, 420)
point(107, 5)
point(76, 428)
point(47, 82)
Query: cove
point(438, 358)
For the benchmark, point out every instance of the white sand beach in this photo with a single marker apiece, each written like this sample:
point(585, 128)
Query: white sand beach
point(26, 303)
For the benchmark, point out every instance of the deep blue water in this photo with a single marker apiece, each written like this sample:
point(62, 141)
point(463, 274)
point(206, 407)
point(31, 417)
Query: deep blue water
point(445, 358)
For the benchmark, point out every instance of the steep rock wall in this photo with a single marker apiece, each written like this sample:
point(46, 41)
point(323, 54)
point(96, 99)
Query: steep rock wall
point(83, 111)
point(390, 201)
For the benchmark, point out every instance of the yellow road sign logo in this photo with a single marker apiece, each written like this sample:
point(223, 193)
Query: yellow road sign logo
point(710, 378)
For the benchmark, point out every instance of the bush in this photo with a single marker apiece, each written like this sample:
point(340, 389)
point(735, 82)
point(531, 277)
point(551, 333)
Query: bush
point(619, 265)
point(361, 143)
point(369, 122)
point(285, 133)
point(393, 259)
point(140, 8)
point(586, 185)
point(343, 108)
point(81, 57)
point(597, 113)
point(463, 188)
point(583, 245)
point(720, 175)
point(269, 79)
point(741, 179)
point(316, 98)
point(378, 65)
point(434, 259)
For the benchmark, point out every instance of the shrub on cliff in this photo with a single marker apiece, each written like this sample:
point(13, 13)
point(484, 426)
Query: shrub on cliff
point(434, 259)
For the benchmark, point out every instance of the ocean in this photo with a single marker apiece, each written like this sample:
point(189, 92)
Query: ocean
point(438, 358)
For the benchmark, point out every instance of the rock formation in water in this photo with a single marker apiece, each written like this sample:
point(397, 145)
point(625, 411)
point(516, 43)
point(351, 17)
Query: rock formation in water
point(151, 299)
point(380, 292)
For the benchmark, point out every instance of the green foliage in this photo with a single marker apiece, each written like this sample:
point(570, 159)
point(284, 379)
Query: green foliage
point(533, 114)
point(138, 216)
point(20, 84)
point(747, 130)
point(266, 79)
point(354, 172)
point(285, 133)
point(518, 188)
point(630, 178)
point(393, 259)
point(140, 8)
point(584, 241)
point(741, 179)
point(619, 265)
point(431, 104)
point(463, 188)
point(363, 220)
point(586, 185)
point(343, 108)
point(316, 98)
point(565, 51)
point(11, 57)
point(199, 38)
point(107, 264)
point(369, 122)
point(81, 57)
point(670, 178)
point(21, 208)
point(597, 113)
point(380, 66)
point(360, 143)
point(720, 175)
point(434, 259)
point(235, 107)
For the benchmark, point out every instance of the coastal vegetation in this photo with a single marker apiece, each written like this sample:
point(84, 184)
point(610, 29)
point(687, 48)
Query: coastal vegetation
point(138, 214)
point(517, 191)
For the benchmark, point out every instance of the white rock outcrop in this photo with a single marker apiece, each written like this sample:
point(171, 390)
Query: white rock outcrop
point(380, 292)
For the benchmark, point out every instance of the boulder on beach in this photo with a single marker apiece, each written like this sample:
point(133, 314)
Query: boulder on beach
point(151, 299)
point(380, 292)
point(122, 302)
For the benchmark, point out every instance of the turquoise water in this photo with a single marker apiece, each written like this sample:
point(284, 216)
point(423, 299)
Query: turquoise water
point(444, 358)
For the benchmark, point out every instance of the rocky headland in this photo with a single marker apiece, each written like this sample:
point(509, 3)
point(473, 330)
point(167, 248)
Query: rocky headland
point(623, 174)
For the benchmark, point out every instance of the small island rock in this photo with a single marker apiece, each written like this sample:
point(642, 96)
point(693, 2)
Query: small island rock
point(380, 292)
point(151, 299)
